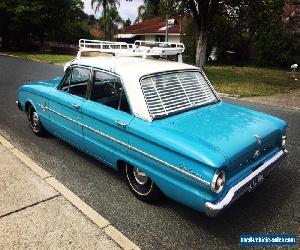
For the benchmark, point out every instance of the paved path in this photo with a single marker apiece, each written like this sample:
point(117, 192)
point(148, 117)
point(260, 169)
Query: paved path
point(287, 100)
point(33, 215)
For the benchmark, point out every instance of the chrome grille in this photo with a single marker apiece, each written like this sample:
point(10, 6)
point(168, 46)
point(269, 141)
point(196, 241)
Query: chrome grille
point(177, 91)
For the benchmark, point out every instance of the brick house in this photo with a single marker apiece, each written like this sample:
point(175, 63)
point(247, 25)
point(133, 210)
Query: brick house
point(152, 30)
point(96, 32)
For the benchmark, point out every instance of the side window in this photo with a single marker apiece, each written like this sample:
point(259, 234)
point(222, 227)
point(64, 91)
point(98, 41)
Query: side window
point(79, 81)
point(108, 90)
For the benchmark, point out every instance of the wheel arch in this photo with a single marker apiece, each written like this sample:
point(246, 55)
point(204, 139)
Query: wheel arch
point(28, 103)
point(121, 163)
point(121, 166)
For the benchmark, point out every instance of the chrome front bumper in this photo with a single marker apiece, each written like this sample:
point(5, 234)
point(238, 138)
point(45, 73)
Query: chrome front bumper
point(212, 209)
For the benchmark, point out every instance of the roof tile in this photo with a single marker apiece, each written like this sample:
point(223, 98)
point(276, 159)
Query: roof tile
point(152, 26)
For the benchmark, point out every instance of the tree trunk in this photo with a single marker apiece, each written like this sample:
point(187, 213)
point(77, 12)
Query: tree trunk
point(201, 48)
point(104, 14)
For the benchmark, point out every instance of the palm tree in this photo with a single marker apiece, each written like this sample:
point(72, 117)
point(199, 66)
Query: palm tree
point(111, 21)
point(104, 4)
point(141, 12)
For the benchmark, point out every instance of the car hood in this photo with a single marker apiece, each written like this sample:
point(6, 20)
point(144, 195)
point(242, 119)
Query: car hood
point(53, 82)
point(41, 87)
point(236, 132)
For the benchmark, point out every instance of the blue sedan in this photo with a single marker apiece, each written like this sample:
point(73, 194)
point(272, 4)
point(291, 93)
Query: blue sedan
point(162, 125)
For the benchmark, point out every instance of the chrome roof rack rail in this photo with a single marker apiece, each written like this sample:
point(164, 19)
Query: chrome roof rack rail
point(139, 48)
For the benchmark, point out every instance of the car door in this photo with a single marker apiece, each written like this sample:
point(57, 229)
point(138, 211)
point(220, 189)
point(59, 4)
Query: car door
point(66, 105)
point(106, 116)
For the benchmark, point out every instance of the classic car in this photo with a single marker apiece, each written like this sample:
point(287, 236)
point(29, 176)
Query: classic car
point(162, 125)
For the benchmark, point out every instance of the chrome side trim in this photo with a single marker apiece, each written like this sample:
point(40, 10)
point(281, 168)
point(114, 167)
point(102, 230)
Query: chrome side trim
point(212, 209)
point(193, 176)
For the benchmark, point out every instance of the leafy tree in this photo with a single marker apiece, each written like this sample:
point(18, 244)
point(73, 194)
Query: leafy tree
point(256, 33)
point(92, 20)
point(244, 26)
point(189, 40)
point(273, 44)
point(26, 21)
point(127, 22)
point(72, 31)
point(203, 12)
point(154, 8)
point(151, 8)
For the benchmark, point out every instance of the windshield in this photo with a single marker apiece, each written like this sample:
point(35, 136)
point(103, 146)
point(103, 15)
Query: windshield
point(175, 92)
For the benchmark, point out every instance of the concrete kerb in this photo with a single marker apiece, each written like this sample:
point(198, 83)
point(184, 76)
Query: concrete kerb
point(31, 164)
point(32, 59)
point(89, 212)
point(77, 202)
point(229, 95)
point(4, 54)
point(10, 55)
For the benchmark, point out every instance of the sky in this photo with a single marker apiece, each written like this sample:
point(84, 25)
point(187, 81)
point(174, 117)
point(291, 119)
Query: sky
point(126, 9)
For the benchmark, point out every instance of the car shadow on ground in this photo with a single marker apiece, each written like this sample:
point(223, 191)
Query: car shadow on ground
point(249, 215)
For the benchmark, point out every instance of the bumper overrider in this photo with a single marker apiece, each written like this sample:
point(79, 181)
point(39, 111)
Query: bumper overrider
point(212, 209)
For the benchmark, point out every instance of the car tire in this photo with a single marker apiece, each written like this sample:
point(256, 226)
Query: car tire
point(141, 185)
point(34, 122)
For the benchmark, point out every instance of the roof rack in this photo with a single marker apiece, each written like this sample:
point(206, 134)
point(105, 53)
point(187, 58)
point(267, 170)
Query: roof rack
point(139, 48)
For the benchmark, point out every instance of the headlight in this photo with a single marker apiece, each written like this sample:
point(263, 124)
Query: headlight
point(218, 182)
point(283, 140)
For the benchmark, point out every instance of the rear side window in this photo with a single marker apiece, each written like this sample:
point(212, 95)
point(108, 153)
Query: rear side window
point(108, 90)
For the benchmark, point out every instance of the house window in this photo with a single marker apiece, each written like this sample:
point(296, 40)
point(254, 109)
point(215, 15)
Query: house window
point(159, 38)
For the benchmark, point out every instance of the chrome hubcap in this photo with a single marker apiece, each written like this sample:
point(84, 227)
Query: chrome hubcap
point(35, 118)
point(140, 177)
point(35, 121)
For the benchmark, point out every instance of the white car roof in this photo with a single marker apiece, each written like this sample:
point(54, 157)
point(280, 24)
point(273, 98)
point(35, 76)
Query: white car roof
point(131, 69)
point(121, 65)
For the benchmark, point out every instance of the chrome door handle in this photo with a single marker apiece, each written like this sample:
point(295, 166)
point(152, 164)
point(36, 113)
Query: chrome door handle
point(76, 106)
point(121, 124)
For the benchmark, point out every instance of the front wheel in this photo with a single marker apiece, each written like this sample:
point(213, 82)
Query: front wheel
point(34, 122)
point(141, 185)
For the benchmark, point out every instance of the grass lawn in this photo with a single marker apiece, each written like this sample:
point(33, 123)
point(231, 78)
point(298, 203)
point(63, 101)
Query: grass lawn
point(242, 81)
point(43, 57)
point(251, 81)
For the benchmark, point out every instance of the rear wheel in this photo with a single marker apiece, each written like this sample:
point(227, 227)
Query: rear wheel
point(34, 122)
point(141, 185)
